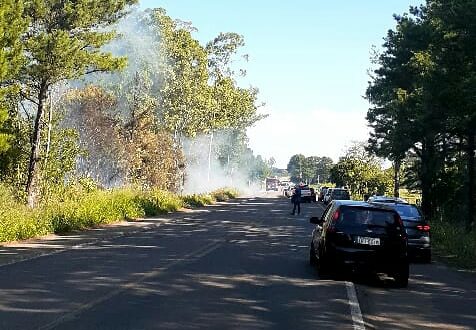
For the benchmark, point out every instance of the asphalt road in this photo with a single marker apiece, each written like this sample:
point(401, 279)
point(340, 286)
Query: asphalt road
point(237, 265)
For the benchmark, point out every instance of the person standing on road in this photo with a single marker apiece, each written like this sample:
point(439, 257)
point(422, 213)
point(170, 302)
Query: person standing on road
point(296, 200)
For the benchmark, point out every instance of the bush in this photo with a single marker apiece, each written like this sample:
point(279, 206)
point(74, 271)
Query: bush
point(224, 194)
point(17, 221)
point(198, 200)
point(82, 206)
point(454, 244)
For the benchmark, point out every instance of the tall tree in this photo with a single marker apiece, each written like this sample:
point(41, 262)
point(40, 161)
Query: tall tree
point(394, 91)
point(12, 26)
point(64, 41)
point(184, 93)
point(454, 55)
point(295, 167)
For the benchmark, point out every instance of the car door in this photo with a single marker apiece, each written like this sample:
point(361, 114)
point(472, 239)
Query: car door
point(319, 230)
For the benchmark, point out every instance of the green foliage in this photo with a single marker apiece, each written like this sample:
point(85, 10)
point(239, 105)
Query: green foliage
point(79, 207)
point(198, 200)
point(219, 195)
point(224, 194)
point(422, 97)
point(361, 172)
point(12, 26)
point(82, 205)
point(453, 244)
point(65, 42)
point(423, 112)
point(185, 94)
point(309, 169)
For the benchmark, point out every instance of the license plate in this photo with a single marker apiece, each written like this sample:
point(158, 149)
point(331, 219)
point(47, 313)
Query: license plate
point(367, 240)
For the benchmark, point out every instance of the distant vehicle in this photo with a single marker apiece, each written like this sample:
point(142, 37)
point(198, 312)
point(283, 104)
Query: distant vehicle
point(272, 184)
point(336, 194)
point(287, 191)
point(284, 183)
point(322, 193)
point(306, 193)
point(417, 228)
point(362, 237)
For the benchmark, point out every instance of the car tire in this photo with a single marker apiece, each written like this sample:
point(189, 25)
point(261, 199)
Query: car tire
point(323, 267)
point(401, 276)
point(312, 256)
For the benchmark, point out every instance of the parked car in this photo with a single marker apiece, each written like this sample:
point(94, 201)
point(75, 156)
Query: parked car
point(288, 191)
point(322, 193)
point(306, 194)
point(336, 194)
point(416, 226)
point(385, 199)
point(360, 236)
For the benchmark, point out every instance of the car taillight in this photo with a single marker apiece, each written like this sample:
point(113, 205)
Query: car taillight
point(423, 228)
point(336, 215)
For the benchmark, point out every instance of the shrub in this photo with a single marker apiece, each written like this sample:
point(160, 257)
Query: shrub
point(83, 205)
point(454, 244)
point(198, 200)
point(224, 194)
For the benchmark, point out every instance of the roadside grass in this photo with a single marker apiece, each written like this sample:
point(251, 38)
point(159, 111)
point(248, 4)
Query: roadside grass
point(197, 200)
point(453, 244)
point(78, 209)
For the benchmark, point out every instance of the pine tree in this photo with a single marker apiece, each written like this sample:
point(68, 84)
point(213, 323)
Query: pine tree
point(64, 42)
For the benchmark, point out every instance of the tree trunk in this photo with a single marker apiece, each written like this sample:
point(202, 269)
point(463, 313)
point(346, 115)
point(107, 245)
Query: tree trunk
point(35, 148)
point(426, 175)
point(396, 177)
point(48, 141)
point(210, 147)
point(471, 218)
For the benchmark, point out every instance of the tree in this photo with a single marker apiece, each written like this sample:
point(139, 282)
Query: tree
point(184, 92)
point(454, 57)
point(91, 112)
point(295, 167)
point(394, 91)
point(360, 171)
point(12, 26)
point(64, 42)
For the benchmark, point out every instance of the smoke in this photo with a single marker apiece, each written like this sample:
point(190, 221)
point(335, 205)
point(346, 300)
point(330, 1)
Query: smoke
point(206, 169)
point(209, 166)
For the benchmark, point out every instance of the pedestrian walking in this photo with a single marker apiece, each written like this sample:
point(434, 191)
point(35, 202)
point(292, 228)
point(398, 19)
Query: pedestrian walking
point(296, 200)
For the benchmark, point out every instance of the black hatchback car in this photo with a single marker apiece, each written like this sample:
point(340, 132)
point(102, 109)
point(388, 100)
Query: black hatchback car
point(360, 236)
point(416, 226)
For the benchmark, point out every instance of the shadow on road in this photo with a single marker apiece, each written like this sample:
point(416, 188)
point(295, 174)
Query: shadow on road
point(238, 265)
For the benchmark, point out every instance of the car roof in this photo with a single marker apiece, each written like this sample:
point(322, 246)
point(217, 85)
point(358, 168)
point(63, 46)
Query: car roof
point(363, 204)
point(387, 199)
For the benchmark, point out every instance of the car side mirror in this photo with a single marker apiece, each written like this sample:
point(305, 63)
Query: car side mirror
point(316, 220)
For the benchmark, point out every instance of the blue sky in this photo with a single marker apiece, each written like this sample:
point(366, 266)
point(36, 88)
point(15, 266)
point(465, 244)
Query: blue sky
point(309, 59)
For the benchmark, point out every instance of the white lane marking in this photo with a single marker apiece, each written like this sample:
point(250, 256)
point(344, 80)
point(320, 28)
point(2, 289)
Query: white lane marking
point(354, 307)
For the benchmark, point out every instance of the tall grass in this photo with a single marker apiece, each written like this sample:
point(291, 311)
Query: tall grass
point(78, 209)
point(453, 244)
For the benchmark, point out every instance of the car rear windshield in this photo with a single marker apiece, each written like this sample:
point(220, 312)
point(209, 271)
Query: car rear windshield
point(340, 194)
point(355, 216)
point(408, 211)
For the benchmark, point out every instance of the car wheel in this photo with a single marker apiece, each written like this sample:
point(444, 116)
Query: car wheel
point(323, 267)
point(401, 276)
point(312, 256)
